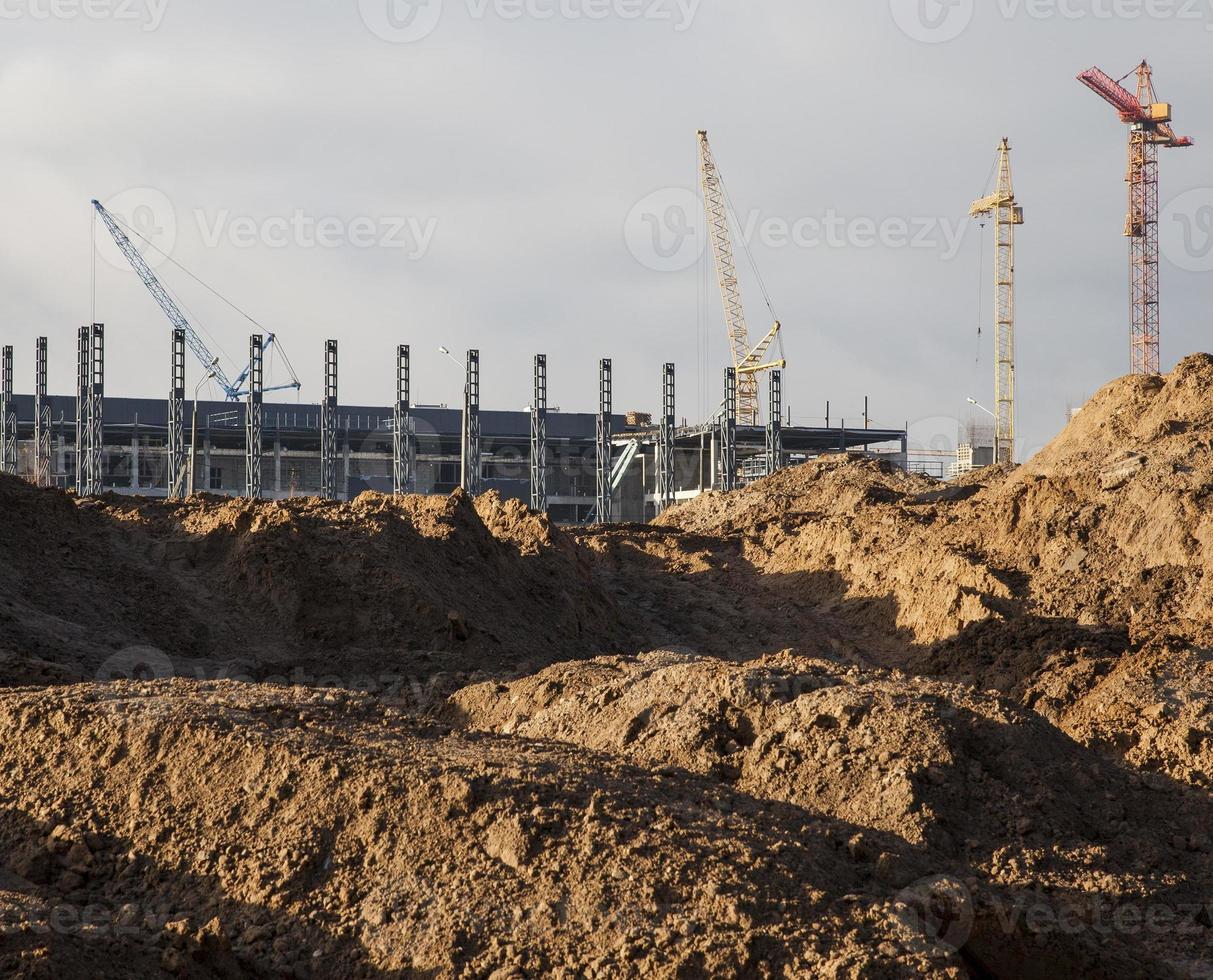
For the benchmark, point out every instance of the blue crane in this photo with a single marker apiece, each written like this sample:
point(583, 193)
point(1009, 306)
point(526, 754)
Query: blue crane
point(233, 390)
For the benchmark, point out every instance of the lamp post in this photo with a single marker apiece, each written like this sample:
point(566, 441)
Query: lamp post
point(463, 426)
point(194, 422)
point(973, 401)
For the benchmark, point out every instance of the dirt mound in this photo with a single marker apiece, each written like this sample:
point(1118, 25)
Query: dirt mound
point(334, 837)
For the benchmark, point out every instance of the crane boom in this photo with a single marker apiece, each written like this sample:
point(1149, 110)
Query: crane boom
point(231, 390)
point(1007, 214)
point(746, 359)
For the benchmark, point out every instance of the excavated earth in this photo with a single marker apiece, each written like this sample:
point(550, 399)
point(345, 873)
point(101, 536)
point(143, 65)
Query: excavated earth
point(845, 722)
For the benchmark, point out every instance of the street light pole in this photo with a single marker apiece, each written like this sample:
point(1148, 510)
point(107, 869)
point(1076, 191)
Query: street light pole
point(463, 425)
point(194, 425)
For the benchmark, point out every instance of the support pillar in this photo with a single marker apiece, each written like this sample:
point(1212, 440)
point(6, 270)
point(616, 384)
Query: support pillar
point(8, 416)
point(775, 421)
point(82, 386)
point(539, 437)
point(665, 442)
point(253, 418)
point(42, 417)
point(728, 432)
point(176, 419)
point(402, 426)
point(96, 409)
point(605, 399)
point(470, 469)
point(328, 424)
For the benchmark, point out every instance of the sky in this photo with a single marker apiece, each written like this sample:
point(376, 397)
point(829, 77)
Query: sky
point(520, 176)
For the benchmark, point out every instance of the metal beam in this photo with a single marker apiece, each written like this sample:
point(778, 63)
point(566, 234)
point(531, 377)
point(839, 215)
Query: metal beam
point(469, 477)
point(82, 376)
point(8, 416)
point(774, 421)
point(328, 424)
point(665, 442)
point(605, 399)
point(252, 418)
point(402, 426)
point(42, 416)
point(728, 432)
point(539, 437)
point(96, 409)
point(176, 417)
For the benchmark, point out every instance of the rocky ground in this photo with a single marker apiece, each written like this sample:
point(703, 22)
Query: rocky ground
point(843, 722)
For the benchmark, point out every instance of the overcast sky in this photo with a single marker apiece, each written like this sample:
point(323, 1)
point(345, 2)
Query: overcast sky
point(516, 175)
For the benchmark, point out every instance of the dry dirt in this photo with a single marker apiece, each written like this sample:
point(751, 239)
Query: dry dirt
point(843, 722)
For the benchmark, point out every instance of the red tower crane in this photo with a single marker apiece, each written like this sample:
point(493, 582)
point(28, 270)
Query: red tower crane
point(1149, 124)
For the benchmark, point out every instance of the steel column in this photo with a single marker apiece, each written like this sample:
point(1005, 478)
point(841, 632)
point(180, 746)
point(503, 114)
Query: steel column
point(8, 416)
point(728, 432)
point(176, 418)
point(82, 385)
point(775, 421)
point(402, 425)
point(252, 418)
point(42, 417)
point(96, 409)
point(605, 400)
point(470, 470)
point(665, 442)
point(328, 424)
point(539, 437)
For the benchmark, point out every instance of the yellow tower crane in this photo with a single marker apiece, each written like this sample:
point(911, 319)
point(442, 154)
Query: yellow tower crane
point(1007, 214)
point(747, 360)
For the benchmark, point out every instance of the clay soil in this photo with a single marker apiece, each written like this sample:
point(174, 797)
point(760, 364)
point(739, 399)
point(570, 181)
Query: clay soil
point(845, 722)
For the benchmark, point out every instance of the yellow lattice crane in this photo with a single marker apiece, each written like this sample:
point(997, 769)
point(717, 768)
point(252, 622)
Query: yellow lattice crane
point(747, 360)
point(1007, 214)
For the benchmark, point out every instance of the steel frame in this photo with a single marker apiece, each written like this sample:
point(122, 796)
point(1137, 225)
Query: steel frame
point(605, 399)
point(728, 432)
point(402, 424)
point(774, 421)
point(665, 441)
point(1141, 228)
point(252, 418)
point(82, 384)
point(8, 416)
point(328, 424)
point(176, 417)
point(470, 470)
point(539, 437)
point(96, 409)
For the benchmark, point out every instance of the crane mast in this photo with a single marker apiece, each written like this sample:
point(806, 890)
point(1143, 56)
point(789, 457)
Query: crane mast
point(1007, 215)
point(1149, 128)
point(747, 360)
point(232, 390)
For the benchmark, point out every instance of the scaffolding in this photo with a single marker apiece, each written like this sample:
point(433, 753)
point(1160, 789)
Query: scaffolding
point(402, 424)
point(176, 418)
point(96, 409)
point(605, 398)
point(728, 432)
point(469, 475)
point(82, 371)
point(539, 437)
point(8, 416)
point(328, 424)
point(665, 442)
point(774, 421)
point(252, 418)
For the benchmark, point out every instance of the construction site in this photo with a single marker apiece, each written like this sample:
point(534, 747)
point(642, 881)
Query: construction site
point(321, 689)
